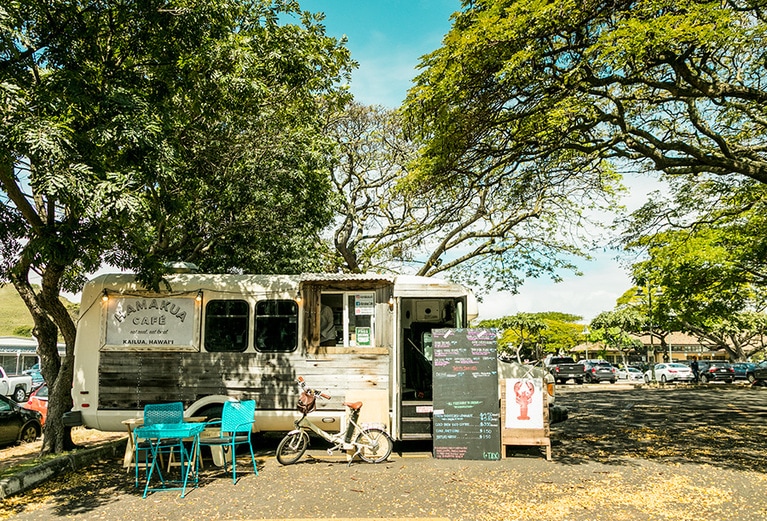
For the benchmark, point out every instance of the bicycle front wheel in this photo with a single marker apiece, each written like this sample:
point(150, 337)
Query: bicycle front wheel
point(374, 445)
point(292, 447)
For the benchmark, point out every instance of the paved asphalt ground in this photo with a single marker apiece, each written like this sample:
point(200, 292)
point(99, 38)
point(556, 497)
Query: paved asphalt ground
point(672, 453)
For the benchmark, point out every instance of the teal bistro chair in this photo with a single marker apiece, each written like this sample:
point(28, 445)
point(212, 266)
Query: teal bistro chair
point(236, 423)
point(154, 414)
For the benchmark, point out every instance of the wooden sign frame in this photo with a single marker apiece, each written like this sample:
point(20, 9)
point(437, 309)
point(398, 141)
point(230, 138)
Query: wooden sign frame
point(524, 437)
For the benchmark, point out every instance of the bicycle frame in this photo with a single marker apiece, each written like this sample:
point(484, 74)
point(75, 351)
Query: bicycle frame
point(340, 441)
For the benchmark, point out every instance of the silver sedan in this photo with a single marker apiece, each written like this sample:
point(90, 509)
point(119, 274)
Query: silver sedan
point(631, 374)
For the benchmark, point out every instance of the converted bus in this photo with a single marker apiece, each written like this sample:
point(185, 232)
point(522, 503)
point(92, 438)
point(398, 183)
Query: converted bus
point(205, 339)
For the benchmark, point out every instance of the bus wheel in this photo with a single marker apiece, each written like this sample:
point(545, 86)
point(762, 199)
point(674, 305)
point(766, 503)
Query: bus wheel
point(211, 412)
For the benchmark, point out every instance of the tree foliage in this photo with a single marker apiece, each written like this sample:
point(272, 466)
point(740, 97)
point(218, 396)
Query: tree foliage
point(376, 228)
point(707, 255)
point(741, 335)
point(533, 335)
point(137, 133)
point(711, 223)
point(703, 244)
point(492, 231)
point(522, 89)
point(617, 329)
point(676, 86)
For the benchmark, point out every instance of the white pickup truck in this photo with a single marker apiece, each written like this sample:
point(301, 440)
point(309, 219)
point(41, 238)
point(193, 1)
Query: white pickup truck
point(17, 387)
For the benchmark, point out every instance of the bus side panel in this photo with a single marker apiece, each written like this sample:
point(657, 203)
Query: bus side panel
point(130, 380)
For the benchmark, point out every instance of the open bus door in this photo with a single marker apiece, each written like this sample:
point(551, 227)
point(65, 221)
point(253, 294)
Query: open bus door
point(418, 318)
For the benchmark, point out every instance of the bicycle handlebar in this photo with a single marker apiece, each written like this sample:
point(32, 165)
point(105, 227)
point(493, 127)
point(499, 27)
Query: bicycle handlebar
point(315, 392)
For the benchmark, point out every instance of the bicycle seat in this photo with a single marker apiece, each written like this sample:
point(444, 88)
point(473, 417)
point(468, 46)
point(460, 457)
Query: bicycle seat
point(353, 405)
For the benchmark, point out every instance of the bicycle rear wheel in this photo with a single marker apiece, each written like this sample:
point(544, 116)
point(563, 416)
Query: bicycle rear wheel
point(374, 446)
point(292, 447)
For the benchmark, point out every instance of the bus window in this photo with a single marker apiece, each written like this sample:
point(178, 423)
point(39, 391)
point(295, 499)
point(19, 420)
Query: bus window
point(276, 325)
point(428, 346)
point(226, 325)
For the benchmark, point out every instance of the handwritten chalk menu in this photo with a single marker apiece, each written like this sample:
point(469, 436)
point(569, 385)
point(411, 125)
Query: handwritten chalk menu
point(465, 384)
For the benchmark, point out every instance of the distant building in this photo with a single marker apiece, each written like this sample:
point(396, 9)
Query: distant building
point(682, 346)
point(679, 346)
point(19, 354)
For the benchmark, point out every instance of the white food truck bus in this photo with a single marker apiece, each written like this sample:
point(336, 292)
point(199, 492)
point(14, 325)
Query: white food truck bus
point(206, 339)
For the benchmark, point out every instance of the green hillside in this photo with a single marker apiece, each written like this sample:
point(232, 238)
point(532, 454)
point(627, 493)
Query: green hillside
point(15, 319)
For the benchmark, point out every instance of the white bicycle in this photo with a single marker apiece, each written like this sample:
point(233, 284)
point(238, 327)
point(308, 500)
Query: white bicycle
point(371, 444)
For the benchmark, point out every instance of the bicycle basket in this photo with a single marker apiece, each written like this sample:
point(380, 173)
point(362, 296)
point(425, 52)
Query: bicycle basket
point(306, 402)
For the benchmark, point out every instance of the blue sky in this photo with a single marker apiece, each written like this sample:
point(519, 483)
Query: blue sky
point(388, 38)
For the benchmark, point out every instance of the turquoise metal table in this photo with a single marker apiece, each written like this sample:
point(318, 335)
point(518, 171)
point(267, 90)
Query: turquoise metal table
point(158, 436)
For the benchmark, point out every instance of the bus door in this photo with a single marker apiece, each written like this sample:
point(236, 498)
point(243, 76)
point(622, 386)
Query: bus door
point(419, 316)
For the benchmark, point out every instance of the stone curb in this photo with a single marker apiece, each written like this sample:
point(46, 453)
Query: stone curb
point(76, 460)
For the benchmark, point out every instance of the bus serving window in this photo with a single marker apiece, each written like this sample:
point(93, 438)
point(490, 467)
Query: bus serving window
point(353, 318)
point(226, 325)
point(276, 325)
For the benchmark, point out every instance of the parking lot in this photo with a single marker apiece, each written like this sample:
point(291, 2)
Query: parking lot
point(673, 452)
point(718, 424)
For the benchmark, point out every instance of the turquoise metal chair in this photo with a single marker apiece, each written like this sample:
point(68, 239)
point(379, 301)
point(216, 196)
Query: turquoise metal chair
point(154, 414)
point(236, 423)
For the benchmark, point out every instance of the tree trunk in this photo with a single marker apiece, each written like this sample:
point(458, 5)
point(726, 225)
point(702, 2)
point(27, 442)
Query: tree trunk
point(50, 317)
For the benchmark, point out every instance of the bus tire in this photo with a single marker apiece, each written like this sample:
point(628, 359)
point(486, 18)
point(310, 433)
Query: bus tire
point(211, 412)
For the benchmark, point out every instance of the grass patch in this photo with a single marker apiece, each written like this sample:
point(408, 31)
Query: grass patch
point(27, 464)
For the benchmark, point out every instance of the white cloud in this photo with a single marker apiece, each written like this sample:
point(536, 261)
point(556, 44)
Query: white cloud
point(585, 296)
point(382, 81)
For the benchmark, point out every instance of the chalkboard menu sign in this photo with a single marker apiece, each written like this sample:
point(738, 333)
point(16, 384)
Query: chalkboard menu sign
point(465, 384)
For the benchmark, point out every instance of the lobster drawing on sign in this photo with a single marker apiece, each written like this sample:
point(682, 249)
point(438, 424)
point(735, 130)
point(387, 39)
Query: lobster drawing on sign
point(524, 392)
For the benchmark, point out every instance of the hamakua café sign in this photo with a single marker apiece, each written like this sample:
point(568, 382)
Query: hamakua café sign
point(150, 322)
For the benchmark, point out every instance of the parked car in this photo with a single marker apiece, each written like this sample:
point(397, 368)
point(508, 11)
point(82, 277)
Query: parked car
point(563, 368)
point(17, 424)
point(35, 367)
point(760, 374)
point(38, 401)
point(669, 372)
point(16, 386)
point(37, 378)
point(599, 371)
point(630, 373)
point(744, 371)
point(714, 370)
